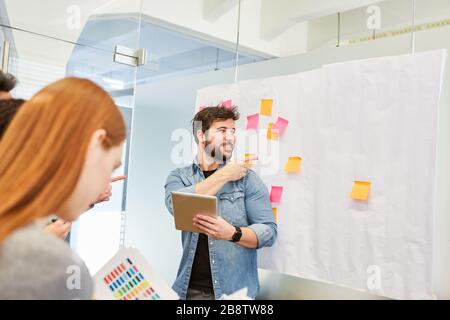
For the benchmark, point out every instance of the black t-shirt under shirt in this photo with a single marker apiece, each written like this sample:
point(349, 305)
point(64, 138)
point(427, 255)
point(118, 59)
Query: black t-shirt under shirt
point(201, 278)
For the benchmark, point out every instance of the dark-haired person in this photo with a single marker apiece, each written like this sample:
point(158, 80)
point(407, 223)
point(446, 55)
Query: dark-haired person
point(8, 108)
point(221, 259)
point(7, 83)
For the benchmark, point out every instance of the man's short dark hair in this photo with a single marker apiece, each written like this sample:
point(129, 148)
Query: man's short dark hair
point(8, 108)
point(7, 82)
point(206, 117)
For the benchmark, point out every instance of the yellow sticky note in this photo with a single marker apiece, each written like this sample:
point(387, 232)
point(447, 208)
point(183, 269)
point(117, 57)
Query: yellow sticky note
point(293, 165)
point(249, 163)
point(360, 190)
point(266, 107)
point(271, 135)
point(275, 213)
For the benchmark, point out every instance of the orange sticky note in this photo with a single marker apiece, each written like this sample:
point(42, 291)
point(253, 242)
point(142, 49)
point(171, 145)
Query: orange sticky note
point(266, 107)
point(360, 190)
point(249, 163)
point(271, 135)
point(293, 164)
point(275, 213)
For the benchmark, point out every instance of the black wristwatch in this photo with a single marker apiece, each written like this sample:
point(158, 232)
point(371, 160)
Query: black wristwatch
point(237, 235)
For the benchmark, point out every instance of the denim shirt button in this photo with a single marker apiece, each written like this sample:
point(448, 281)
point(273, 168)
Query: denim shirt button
point(214, 261)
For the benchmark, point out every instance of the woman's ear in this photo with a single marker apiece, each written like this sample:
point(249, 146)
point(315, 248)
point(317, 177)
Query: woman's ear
point(99, 135)
point(98, 138)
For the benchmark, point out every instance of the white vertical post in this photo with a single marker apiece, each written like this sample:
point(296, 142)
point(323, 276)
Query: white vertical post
point(413, 32)
point(237, 44)
point(5, 57)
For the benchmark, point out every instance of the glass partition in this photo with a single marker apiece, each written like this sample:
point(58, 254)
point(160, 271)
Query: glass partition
point(54, 39)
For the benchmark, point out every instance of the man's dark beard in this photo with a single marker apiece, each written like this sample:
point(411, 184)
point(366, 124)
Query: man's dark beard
point(215, 154)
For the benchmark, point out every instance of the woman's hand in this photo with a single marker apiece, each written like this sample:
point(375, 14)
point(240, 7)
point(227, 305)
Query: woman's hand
point(59, 228)
point(106, 195)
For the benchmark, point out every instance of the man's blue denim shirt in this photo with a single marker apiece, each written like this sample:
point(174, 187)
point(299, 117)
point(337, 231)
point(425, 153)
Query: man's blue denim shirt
point(243, 203)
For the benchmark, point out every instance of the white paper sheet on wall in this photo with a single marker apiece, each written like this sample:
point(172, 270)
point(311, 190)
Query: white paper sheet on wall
point(358, 212)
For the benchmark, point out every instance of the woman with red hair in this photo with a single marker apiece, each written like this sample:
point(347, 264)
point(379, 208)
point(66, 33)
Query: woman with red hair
point(56, 157)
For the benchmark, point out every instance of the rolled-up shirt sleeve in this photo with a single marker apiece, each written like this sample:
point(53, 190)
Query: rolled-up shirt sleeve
point(259, 210)
point(175, 183)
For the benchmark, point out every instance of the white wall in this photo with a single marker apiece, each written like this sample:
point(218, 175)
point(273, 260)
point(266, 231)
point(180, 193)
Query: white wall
point(394, 15)
point(167, 105)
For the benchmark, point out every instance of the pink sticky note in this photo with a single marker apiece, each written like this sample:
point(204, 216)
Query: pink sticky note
point(227, 104)
point(275, 194)
point(280, 125)
point(252, 121)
